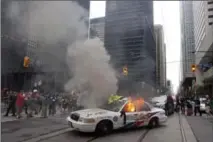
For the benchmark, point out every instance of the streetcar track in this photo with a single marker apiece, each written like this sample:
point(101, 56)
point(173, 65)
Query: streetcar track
point(48, 135)
point(92, 139)
point(62, 131)
point(183, 136)
point(141, 138)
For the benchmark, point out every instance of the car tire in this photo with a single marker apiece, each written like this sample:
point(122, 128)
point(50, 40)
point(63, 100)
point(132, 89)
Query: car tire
point(153, 123)
point(104, 127)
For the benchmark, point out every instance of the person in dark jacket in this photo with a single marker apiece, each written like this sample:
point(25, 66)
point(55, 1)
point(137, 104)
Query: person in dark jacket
point(182, 105)
point(189, 107)
point(197, 106)
point(12, 104)
point(169, 106)
point(44, 100)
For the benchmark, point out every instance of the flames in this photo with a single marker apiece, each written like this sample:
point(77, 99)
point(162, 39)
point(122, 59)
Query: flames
point(134, 104)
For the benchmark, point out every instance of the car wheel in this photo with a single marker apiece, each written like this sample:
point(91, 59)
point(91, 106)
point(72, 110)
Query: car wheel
point(104, 127)
point(153, 123)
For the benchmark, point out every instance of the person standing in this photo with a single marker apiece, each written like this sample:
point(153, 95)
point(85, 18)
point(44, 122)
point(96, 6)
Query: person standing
point(32, 103)
point(207, 105)
point(19, 104)
point(52, 107)
point(12, 104)
point(44, 101)
point(211, 105)
point(197, 106)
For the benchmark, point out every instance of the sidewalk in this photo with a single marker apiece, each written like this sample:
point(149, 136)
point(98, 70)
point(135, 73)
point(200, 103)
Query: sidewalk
point(11, 118)
point(202, 127)
point(171, 132)
point(24, 129)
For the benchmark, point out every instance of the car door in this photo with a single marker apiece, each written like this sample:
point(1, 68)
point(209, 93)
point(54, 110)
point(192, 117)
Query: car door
point(131, 116)
point(143, 115)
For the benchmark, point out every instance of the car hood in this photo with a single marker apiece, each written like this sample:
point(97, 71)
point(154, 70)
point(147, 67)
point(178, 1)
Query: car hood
point(154, 109)
point(160, 103)
point(95, 112)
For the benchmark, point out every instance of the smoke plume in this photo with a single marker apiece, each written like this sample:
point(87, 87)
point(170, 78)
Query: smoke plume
point(60, 28)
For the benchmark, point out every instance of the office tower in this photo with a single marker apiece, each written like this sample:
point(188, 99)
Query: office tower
point(129, 39)
point(203, 33)
point(97, 26)
point(187, 41)
point(160, 57)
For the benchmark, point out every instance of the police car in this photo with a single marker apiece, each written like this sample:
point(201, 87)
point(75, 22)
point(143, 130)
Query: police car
point(121, 114)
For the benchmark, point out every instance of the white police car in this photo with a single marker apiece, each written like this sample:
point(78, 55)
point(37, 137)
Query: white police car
point(121, 114)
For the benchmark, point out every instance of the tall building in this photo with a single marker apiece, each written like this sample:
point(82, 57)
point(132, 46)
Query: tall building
point(187, 42)
point(203, 33)
point(97, 26)
point(129, 39)
point(187, 37)
point(160, 57)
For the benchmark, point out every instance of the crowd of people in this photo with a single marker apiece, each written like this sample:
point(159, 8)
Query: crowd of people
point(38, 103)
point(192, 105)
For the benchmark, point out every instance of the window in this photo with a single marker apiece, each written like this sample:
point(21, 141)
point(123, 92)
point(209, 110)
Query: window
point(210, 16)
point(210, 2)
point(211, 23)
point(145, 107)
point(210, 9)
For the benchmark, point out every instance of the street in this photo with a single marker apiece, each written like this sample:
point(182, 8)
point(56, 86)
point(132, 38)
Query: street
point(202, 127)
point(56, 130)
point(165, 133)
point(21, 130)
point(124, 136)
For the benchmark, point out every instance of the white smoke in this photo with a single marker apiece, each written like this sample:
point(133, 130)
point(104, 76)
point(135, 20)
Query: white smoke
point(199, 78)
point(91, 68)
point(51, 22)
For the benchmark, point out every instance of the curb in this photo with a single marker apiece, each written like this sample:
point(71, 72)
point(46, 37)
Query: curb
point(189, 134)
point(183, 136)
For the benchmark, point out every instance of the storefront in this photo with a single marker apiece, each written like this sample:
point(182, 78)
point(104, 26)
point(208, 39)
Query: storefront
point(208, 81)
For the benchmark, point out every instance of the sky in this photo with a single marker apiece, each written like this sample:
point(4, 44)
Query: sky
point(165, 13)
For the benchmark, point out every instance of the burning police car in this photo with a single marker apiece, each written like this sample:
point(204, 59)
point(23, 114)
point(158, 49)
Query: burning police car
point(121, 114)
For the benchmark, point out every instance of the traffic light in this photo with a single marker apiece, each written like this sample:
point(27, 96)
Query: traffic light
point(193, 67)
point(26, 62)
point(125, 70)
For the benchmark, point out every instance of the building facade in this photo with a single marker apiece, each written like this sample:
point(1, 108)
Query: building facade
point(187, 38)
point(97, 26)
point(203, 32)
point(160, 57)
point(130, 40)
point(15, 47)
point(187, 43)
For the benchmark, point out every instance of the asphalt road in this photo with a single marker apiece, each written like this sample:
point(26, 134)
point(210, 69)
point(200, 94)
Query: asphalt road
point(20, 130)
point(202, 127)
point(166, 133)
point(118, 136)
point(169, 132)
point(56, 130)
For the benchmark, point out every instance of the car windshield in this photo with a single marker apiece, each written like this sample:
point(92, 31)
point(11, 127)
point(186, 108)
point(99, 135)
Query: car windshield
point(150, 104)
point(115, 106)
